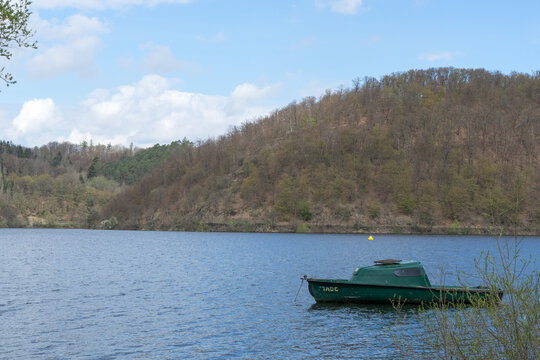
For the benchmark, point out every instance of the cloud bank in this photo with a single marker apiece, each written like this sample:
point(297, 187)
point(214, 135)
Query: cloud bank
point(144, 113)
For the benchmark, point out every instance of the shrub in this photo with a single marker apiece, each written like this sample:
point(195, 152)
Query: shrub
point(303, 228)
point(374, 209)
point(304, 209)
point(101, 183)
point(488, 328)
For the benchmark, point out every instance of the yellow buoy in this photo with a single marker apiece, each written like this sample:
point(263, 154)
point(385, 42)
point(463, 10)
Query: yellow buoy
point(370, 237)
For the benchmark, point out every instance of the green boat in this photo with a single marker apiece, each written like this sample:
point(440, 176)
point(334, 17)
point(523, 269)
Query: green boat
point(393, 280)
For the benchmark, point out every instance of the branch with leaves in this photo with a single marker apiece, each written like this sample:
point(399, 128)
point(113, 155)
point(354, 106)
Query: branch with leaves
point(14, 31)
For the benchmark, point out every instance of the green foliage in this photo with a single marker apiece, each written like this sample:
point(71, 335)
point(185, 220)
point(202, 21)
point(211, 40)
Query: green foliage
point(92, 219)
point(488, 328)
point(397, 179)
point(374, 209)
point(405, 205)
point(250, 189)
point(57, 159)
point(101, 183)
point(427, 204)
point(129, 169)
point(14, 31)
point(292, 198)
point(46, 187)
point(495, 205)
point(503, 207)
point(8, 147)
point(8, 214)
point(457, 197)
point(303, 228)
point(60, 201)
point(109, 224)
point(43, 185)
point(7, 186)
point(304, 210)
point(286, 203)
point(92, 170)
point(456, 228)
point(379, 146)
point(343, 189)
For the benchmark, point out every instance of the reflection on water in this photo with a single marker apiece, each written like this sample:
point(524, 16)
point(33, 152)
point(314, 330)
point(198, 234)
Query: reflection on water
point(124, 295)
point(376, 309)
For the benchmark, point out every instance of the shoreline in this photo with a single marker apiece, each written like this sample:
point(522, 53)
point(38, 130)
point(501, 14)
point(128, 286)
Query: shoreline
point(306, 228)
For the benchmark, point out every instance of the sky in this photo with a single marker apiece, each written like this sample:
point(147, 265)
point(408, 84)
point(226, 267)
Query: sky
point(146, 72)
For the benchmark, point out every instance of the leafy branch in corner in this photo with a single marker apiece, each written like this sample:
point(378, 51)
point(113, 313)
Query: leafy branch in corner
point(14, 31)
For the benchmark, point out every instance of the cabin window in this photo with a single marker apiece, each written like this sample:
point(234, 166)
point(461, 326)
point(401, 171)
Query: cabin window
point(408, 272)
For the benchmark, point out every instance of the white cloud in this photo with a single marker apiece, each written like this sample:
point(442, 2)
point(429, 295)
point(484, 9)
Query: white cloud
point(160, 59)
point(161, 114)
point(349, 7)
point(144, 113)
point(77, 56)
point(439, 56)
point(73, 49)
point(100, 4)
point(76, 137)
point(75, 26)
point(35, 115)
point(250, 92)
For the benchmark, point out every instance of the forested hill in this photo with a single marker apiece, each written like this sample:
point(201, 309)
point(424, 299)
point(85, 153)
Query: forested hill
point(439, 150)
point(67, 185)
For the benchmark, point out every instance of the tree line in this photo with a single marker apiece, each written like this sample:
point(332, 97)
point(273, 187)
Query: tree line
point(66, 185)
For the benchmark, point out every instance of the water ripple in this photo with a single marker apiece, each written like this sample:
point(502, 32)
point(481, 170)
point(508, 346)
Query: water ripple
point(137, 295)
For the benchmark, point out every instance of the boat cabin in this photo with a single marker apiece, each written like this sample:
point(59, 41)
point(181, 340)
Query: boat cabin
point(391, 272)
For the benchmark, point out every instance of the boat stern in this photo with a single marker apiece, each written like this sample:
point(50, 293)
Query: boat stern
point(328, 290)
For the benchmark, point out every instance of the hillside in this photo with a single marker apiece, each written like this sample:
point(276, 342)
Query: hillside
point(441, 150)
point(66, 185)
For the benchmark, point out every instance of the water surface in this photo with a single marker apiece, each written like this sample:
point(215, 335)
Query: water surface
point(124, 295)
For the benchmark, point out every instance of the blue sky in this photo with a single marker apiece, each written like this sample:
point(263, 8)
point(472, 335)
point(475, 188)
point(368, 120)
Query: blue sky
point(146, 72)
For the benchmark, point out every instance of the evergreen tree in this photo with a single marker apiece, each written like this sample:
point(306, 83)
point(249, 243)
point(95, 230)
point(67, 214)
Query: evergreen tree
point(57, 159)
point(92, 170)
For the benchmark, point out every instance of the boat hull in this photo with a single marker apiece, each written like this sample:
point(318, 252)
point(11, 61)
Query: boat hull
point(324, 290)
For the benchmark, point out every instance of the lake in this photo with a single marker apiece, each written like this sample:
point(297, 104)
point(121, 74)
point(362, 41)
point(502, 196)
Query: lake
point(68, 294)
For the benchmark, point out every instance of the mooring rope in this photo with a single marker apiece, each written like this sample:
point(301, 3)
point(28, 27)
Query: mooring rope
point(301, 283)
